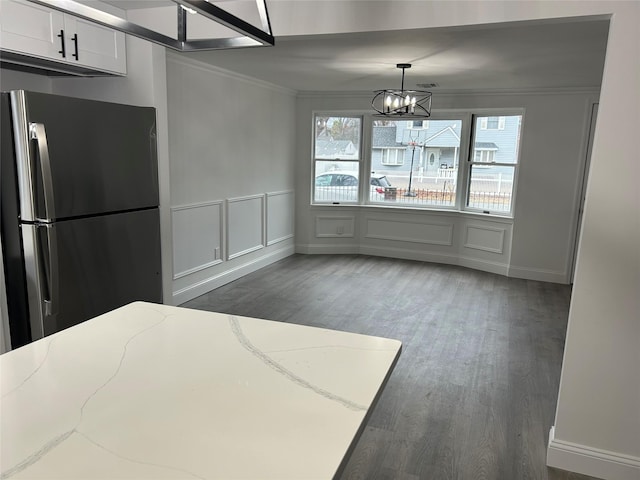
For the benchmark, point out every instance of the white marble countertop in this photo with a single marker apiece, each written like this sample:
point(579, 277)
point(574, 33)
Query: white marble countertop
point(156, 392)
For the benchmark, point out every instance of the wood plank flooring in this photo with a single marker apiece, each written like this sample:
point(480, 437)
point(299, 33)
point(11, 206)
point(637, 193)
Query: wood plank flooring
point(474, 393)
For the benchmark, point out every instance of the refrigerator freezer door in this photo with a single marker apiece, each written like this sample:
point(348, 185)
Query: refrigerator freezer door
point(103, 263)
point(101, 156)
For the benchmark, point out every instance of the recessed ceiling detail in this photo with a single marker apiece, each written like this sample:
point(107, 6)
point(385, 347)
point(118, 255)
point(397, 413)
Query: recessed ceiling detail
point(520, 56)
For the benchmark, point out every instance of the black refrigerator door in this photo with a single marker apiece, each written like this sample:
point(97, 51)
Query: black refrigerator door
point(102, 263)
point(87, 157)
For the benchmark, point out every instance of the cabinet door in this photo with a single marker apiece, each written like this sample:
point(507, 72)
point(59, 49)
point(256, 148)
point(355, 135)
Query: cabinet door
point(94, 46)
point(27, 27)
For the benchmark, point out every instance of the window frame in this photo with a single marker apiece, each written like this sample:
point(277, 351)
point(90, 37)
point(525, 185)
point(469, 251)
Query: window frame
point(464, 117)
point(411, 124)
point(501, 114)
point(484, 125)
point(465, 159)
point(399, 152)
point(485, 152)
point(360, 160)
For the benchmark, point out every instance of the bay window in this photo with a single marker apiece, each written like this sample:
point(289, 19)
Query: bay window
point(460, 161)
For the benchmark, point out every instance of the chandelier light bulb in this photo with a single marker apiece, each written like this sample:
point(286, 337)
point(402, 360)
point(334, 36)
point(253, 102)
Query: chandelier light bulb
point(189, 10)
point(396, 103)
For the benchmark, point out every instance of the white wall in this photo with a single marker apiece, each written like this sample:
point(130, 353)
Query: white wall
point(536, 244)
point(15, 80)
point(232, 174)
point(599, 400)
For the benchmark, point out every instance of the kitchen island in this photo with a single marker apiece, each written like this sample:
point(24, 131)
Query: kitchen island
point(151, 391)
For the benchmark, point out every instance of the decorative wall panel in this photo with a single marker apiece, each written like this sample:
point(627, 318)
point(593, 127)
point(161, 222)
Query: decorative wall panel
point(245, 225)
point(335, 226)
point(485, 238)
point(407, 231)
point(280, 216)
point(197, 237)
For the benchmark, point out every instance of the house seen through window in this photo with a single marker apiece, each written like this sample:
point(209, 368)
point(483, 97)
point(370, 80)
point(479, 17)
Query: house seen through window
point(430, 156)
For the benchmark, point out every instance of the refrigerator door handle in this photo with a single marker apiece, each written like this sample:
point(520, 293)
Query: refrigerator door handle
point(40, 246)
point(51, 271)
point(38, 133)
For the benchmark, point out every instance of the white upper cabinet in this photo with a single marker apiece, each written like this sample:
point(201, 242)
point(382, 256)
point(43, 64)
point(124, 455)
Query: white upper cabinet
point(27, 27)
point(31, 30)
point(94, 45)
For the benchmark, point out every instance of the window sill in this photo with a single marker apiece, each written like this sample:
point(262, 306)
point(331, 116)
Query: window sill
point(419, 210)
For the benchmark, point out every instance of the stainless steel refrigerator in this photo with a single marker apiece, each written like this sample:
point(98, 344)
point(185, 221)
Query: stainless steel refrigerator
point(79, 208)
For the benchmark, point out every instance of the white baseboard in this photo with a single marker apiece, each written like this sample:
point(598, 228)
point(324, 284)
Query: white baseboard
point(320, 249)
point(200, 288)
point(538, 274)
point(484, 265)
point(591, 461)
point(406, 254)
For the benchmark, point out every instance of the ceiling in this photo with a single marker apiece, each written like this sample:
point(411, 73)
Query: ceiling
point(563, 53)
point(507, 56)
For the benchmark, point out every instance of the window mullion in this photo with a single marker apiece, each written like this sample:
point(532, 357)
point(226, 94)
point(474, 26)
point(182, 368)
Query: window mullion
point(466, 159)
point(365, 159)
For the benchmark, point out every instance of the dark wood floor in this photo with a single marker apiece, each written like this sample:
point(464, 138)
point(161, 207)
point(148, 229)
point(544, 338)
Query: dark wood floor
point(474, 393)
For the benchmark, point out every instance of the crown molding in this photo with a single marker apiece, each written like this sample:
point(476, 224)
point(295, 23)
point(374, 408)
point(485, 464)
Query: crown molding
point(466, 92)
point(179, 59)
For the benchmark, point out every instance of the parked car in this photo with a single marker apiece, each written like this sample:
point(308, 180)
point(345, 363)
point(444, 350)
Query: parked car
point(341, 186)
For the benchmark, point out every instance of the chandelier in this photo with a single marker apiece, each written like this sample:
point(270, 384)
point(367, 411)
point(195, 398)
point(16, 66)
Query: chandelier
point(405, 104)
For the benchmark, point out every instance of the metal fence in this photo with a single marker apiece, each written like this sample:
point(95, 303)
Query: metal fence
point(486, 200)
point(445, 196)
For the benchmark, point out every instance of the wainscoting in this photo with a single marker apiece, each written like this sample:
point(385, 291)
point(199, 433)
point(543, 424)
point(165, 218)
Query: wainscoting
point(219, 241)
point(467, 240)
